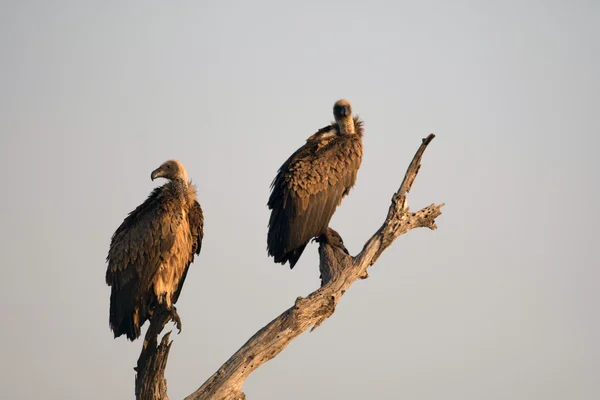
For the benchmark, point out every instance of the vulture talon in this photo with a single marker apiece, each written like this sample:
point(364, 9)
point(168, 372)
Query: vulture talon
point(175, 318)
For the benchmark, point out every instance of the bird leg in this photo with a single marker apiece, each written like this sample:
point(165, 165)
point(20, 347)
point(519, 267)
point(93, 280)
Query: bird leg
point(167, 310)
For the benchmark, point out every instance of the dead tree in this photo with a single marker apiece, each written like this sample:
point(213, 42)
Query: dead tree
point(339, 271)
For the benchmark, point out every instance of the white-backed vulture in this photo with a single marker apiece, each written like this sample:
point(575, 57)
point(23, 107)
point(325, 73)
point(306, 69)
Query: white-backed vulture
point(151, 251)
point(311, 184)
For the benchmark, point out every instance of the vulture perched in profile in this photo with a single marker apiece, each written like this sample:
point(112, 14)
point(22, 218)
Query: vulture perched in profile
point(311, 184)
point(151, 252)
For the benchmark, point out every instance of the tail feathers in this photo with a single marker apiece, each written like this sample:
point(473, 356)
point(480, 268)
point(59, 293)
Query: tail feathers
point(292, 256)
point(125, 317)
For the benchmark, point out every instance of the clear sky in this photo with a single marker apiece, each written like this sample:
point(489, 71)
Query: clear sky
point(500, 303)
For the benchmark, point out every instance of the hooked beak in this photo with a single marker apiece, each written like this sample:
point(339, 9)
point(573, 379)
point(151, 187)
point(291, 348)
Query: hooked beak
point(345, 111)
point(157, 173)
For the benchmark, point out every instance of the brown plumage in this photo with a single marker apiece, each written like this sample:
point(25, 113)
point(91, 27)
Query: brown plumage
point(150, 253)
point(311, 184)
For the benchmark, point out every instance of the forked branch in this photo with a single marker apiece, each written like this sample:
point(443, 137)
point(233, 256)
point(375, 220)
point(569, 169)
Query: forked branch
point(339, 271)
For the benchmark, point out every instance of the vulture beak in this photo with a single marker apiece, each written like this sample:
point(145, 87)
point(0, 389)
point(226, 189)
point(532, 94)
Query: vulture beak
point(345, 111)
point(157, 173)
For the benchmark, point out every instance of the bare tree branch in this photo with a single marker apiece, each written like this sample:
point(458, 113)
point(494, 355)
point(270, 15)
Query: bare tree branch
point(338, 272)
point(150, 382)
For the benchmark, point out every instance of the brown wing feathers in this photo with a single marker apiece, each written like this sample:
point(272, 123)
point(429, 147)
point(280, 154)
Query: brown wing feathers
point(129, 252)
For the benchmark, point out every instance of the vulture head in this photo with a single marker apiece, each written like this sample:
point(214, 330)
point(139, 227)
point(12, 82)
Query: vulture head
point(171, 170)
point(342, 109)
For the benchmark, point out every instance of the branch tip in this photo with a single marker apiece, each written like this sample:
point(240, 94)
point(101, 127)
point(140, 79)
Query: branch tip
point(428, 139)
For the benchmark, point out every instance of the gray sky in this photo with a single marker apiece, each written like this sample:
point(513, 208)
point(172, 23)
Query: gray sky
point(500, 303)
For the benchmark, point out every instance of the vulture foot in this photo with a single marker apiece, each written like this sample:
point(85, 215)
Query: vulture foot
point(175, 317)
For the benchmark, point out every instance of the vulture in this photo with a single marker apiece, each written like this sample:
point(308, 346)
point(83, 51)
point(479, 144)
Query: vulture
point(151, 252)
point(311, 184)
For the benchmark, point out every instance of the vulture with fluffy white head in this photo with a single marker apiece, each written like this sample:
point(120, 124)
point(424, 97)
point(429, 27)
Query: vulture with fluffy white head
point(151, 252)
point(312, 183)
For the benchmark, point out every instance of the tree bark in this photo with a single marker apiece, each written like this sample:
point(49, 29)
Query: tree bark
point(339, 271)
point(150, 382)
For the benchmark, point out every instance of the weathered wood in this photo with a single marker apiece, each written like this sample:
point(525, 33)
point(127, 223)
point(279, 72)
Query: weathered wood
point(338, 272)
point(150, 382)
